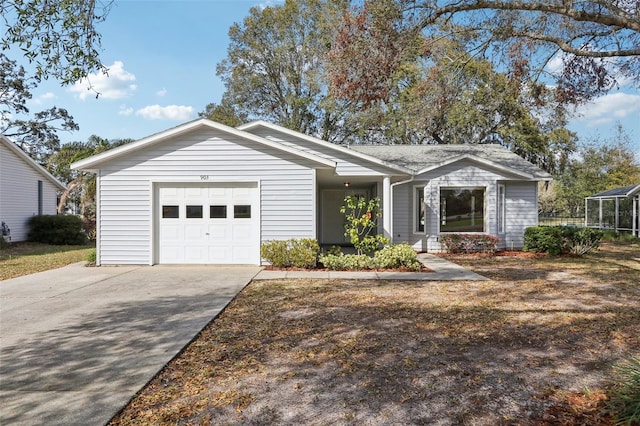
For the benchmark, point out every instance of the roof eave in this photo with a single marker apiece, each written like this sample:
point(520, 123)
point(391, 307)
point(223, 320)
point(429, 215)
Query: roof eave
point(16, 149)
point(92, 163)
point(257, 123)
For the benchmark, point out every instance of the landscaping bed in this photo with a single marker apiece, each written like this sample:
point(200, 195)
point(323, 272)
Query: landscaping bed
point(535, 345)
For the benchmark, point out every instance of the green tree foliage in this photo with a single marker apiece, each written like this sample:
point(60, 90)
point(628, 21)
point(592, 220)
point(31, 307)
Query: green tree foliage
point(37, 134)
point(275, 65)
point(597, 41)
point(280, 62)
point(81, 186)
point(433, 99)
point(599, 165)
point(59, 37)
point(225, 113)
point(51, 38)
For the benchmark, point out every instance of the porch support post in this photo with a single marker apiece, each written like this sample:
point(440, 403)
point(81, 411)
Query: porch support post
point(635, 203)
point(386, 207)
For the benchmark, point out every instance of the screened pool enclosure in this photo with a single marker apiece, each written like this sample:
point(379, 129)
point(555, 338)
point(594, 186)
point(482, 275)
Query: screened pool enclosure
point(616, 209)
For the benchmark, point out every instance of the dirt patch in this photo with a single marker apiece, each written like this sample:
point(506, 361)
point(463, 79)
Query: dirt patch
point(533, 346)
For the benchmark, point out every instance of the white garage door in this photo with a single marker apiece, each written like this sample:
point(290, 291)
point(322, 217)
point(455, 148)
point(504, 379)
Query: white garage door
point(208, 224)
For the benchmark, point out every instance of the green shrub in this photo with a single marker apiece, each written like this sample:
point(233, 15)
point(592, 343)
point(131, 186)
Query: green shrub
point(556, 240)
point(615, 236)
point(347, 262)
point(276, 253)
point(581, 241)
point(337, 250)
point(624, 403)
point(57, 230)
point(92, 256)
point(469, 243)
point(301, 253)
point(397, 256)
point(543, 239)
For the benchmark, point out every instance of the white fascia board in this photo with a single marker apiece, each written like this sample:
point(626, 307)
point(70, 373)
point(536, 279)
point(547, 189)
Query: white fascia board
point(44, 172)
point(483, 162)
point(633, 191)
point(325, 144)
point(92, 163)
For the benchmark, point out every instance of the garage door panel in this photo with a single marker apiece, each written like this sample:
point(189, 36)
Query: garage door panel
point(219, 233)
point(196, 232)
point(213, 223)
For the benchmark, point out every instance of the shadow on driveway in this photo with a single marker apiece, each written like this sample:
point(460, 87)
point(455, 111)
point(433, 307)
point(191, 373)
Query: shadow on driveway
point(84, 367)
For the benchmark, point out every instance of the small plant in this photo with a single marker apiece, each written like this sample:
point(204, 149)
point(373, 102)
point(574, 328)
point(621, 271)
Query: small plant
point(469, 243)
point(347, 262)
point(397, 256)
point(275, 252)
point(92, 257)
point(580, 241)
point(624, 403)
point(301, 253)
point(361, 216)
point(335, 250)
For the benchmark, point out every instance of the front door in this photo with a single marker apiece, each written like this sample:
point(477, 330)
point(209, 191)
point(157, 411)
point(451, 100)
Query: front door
point(332, 221)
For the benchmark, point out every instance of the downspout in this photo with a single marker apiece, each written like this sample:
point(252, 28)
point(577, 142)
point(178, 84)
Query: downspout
point(393, 185)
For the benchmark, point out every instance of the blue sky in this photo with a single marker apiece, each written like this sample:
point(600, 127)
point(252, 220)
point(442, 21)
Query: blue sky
point(162, 57)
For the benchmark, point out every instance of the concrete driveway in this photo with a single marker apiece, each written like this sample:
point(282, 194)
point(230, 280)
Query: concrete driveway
point(77, 343)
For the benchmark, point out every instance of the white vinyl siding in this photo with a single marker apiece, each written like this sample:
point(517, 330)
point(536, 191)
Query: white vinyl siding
point(19, 193)
point(287, 189)
point(521, 211)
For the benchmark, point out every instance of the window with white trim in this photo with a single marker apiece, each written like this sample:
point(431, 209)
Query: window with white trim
point(419, 210)
point(462, 209)
point(501, 208)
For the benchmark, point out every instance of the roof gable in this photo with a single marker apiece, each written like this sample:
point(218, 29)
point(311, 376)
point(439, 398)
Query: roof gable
point(94, 162)
point(4, 141)
point(424, 158)
point(323, 145)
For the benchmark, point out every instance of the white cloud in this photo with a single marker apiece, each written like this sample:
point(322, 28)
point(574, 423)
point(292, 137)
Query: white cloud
point(609, 108)
point(161, 92)
point(44, 97)
point(116, 83)
point(125, 110)
point(169, 112)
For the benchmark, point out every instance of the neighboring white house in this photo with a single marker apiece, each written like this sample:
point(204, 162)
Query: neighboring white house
point(26, 189)
point(204, 192)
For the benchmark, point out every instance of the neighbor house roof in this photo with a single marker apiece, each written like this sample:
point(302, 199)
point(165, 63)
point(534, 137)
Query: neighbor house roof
point(423, 158)
point(621, 192)
point(94, 162)
point(31, 163)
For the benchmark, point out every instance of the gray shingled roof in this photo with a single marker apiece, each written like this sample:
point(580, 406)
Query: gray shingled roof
point(623, 191)
point(420, 157)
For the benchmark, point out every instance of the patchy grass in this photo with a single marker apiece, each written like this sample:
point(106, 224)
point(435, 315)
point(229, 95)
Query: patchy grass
point(535, 345)
point(27, 258)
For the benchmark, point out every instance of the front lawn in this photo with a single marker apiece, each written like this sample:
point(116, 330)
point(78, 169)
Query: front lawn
point(27, 258)
point(535, 345)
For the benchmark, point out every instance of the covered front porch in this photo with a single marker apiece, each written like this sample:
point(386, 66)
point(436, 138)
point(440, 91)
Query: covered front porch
point(332, 190)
